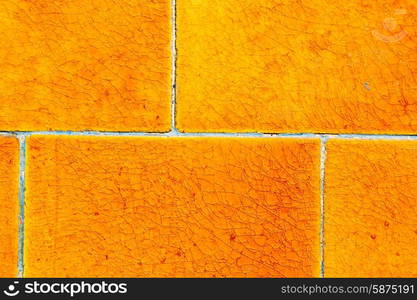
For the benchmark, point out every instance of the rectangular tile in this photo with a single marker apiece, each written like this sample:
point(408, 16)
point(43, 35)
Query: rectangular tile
point(370, 209)
point(85, 65)
point(9, 208)
point(172, 207)
point(297, 66)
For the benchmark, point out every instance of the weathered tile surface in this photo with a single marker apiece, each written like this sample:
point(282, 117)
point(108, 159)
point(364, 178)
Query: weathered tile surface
point(172, 207)
point(86, 64)
point(297, 66)
point(9, 169)
point(370, 209)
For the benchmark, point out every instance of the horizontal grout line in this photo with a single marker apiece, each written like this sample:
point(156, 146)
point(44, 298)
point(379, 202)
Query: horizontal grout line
point(373, 136)
point(175, 133)
point(5, 133)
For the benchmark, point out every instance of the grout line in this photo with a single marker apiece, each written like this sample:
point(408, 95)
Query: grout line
point(173, 66)
point(8, 134)
point(323, 156)
point(22, 188)
point(175, 133)
point(159, 134)
point(373, 136)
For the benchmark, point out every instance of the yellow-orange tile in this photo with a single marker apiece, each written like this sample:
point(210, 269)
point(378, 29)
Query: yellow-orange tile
point(297, 66)
point(85, 64)
point(370, 209)
point(9, 174)
point(158, 207)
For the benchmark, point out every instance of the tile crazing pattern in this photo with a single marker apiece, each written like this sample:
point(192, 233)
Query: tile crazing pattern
point(9, 208)
point(296, 66)
point(85, 65)
point(154, 207)
point(371, 214)
point(370, 99)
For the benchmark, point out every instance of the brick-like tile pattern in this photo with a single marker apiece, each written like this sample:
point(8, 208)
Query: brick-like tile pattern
point(370, 209)
point(297, 66)
point(158, 207)
point(190, 205)
point(85, 65)
point(9, 209)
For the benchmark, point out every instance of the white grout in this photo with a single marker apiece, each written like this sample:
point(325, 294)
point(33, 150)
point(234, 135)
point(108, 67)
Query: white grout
point(160, 134)
point(323, 156)
point(21, 199)
point(373, 136)
point(173, 65)
point(5, 133)
point(175, 133)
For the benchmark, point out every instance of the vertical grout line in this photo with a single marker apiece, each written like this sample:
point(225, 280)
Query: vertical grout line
point(173, 65)
point(323, 155)
point(22, 188)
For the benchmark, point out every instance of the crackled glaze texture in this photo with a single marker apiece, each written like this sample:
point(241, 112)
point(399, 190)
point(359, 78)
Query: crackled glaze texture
point(85, 64)
point(370, 209)
point(160, 207)
point(9, 170)
point(297, 66)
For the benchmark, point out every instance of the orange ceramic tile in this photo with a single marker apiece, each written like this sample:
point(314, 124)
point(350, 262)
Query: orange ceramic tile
point(370, 209)
point(85, 64)
point(177, 207)
point(9, 174)
point(297, 66)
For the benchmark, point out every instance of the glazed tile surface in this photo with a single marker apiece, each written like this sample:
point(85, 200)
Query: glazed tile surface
point(197, 138)
point(9, 210)
point(157, 207)
point(370, 209)
point(85, 65)
point(297, 66)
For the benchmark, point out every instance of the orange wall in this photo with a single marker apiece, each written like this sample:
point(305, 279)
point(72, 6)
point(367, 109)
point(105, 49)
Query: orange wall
point(221, 138)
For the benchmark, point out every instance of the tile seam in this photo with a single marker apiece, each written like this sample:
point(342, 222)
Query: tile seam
point(173, 65)
point(323, 157)
point(157, 134)
point(21, 199)
point(212, 134)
